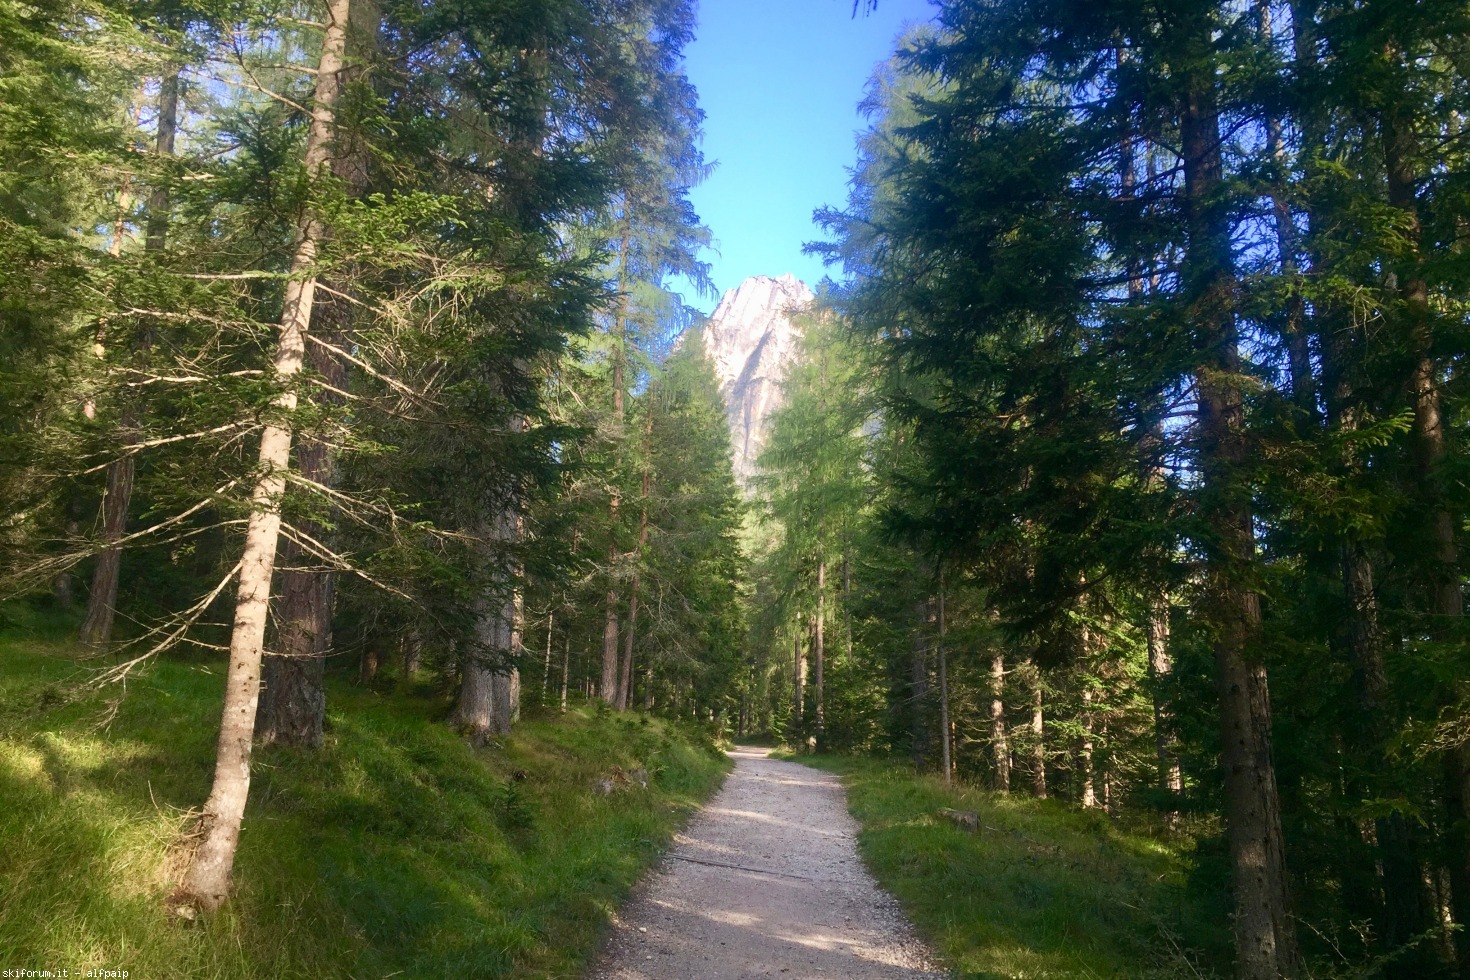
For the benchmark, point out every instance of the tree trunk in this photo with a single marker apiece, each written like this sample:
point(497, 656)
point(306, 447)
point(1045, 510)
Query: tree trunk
point(607, 688)
point(946, 758)
point(485, 705)
point(546, 661)
point(1000, 749)
point(919, 685)
point(625, 671)
point(1090, 652)
point(62, 590)
point(819, 686)
point(1038, 737)
point(1159, 661)
point(1160, 665)
point(96, 629)
point(625, 684)
point(566, 669)
point(367, 669)
point(1399, 913)
point(207, 883)
point(847, 605)
point(1264, 931)
point(799, 711)
point(507, 684)
point(293, 700)
point(1429, 439)
point(1088, 792)
point(1396, 904)
point(475, 710)
point(413, 651)
point(1401, 154)
point(490, 680)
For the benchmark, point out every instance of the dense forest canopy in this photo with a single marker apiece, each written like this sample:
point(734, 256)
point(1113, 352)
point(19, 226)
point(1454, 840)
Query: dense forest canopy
point(1129, 465)
point(1123, 462)
point(343, 332)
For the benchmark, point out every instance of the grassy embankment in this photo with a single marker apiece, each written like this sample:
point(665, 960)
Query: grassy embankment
point(1042, 890)
point(396, 850)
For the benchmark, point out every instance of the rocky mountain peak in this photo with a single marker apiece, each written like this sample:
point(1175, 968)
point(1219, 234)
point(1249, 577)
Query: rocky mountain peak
point(751, 339)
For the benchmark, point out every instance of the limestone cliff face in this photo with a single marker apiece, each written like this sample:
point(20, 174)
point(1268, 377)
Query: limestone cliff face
point(751, 339)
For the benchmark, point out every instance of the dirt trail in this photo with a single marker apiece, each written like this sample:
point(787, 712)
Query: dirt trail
point(765, 882)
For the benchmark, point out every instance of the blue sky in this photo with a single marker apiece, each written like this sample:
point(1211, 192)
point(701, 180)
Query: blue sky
point(780, 81)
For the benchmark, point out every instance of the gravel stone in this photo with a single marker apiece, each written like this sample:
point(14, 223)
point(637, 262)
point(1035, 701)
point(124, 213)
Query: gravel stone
point(765, 882)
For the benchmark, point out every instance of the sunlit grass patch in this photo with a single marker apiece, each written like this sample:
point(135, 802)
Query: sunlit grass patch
point(396, 849)
point(1042, 890)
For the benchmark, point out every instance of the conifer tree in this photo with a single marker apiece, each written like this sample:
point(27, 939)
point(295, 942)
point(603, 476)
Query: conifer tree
point(96, 628)
point(67, 80)
point(812, 483)
point(651, 233)
point(208, 881)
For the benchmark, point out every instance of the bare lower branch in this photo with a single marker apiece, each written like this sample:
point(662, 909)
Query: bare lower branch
point(393, 383)
point(317, 549)
point(138, 447)
point(119, 672)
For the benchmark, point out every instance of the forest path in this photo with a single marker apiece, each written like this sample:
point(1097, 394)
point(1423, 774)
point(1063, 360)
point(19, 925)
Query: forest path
point(765, 882)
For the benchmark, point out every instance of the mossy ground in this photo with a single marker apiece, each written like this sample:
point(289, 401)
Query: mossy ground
point(1043, 890)
point(395, 850)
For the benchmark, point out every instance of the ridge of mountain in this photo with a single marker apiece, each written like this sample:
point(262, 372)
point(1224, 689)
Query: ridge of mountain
point(751, 338)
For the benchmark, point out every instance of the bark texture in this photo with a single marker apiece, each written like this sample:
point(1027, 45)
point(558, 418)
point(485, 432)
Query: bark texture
point(490, 680)
point(819, 683)
point(1000, 749)
point(293, 699)
point(946, 751)
point(489, 690)
point(919, 685)
point(566, 669)
point(546, 660)
point(96, 628)
point(1087, 790)
point(625, 669)
point(608, 687)
point(413, 653)
point(799, 682)
point(1038, 736)
point(625, 672)
point(1160, 665)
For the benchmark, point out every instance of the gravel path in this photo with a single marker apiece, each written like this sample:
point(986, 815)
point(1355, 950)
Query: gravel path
point(765, 882)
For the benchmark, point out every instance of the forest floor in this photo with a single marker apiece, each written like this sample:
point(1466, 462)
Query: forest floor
point(1041, 889)
point(765, 882)
point(394, 850)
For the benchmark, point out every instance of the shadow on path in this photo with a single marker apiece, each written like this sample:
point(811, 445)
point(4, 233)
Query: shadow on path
point(765, 882)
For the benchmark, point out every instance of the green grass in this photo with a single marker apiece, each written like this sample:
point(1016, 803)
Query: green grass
point(1041, 891)
point(394, 851)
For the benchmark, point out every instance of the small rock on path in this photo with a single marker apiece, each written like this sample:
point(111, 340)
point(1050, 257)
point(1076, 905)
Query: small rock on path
point(765, 882)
